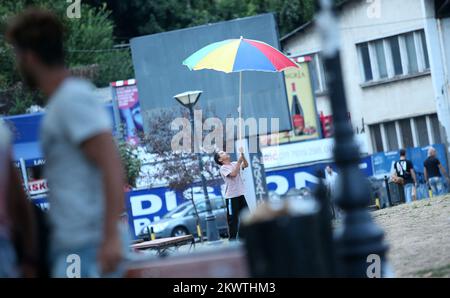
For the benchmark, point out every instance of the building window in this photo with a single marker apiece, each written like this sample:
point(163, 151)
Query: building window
point(425, 49)
point(407, 136)
point(436, 129)
point(406, 133)
point(377, 140)
point(318, 73)
point(422, 131)
point(365, 58)
point(381, 59)
point(413, 66)
point(394, 56)
point(391, 136)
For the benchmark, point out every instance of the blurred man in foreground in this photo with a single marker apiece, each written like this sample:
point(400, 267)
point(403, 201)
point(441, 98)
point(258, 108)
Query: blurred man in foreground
point(17, 229)
point(83, 167)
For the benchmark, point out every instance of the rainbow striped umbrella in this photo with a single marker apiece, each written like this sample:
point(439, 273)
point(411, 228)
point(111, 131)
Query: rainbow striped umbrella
point(238, 55)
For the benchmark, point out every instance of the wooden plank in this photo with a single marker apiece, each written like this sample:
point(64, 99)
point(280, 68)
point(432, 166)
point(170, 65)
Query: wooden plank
point(162, 242)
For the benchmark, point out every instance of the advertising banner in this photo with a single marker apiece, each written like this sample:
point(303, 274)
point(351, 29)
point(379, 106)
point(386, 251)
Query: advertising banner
point(383, 162)
point(253, 176)
point(281, 181)
point(160, 74)
point(304, 152)
point(302, 107)
point(37, 187)
point(149, 205)
point(125, 95)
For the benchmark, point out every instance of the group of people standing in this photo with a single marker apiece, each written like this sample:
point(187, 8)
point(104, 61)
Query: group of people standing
point(403, 173)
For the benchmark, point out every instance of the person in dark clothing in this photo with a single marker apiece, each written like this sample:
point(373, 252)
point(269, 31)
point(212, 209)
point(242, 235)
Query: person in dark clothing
point(433, 171)
point(404, 169)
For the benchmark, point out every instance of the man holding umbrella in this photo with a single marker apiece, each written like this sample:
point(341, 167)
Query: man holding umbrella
point(234, 188)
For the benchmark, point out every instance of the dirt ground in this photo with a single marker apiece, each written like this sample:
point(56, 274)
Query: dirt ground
point(419, 237)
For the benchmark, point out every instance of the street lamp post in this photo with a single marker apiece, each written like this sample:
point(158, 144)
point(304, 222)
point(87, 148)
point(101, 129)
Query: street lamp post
point(360, 238)
point(188, 100)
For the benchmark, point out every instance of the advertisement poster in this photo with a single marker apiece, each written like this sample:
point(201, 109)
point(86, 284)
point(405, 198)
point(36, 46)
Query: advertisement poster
point(281, 181)
point(383, 162)
point(126, 96)
point(302, 108)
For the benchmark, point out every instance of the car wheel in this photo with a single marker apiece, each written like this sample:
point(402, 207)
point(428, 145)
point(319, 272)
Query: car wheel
point(179, 231)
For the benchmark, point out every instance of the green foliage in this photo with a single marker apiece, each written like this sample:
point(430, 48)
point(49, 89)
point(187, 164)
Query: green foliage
point(131, 162)
point(21, 100)
point(139, 17)
point(91, 38)
point(89, 41)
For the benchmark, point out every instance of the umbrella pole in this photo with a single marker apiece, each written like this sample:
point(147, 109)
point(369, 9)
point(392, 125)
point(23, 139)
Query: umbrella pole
point(240, 108)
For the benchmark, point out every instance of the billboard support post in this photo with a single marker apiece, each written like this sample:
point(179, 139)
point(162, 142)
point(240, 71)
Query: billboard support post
point(116, 113)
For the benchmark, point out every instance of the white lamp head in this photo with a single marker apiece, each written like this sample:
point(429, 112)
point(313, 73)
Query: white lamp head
point(188, 98)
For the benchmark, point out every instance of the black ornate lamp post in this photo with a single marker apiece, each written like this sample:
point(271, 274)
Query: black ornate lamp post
point(360, 239)
point(188, 100)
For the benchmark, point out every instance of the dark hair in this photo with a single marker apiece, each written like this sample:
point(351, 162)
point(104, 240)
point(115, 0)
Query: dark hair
point(39, 31)
point(217, 159)
point(403, 152)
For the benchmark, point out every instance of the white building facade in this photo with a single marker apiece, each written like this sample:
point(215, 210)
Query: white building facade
point(387, 71)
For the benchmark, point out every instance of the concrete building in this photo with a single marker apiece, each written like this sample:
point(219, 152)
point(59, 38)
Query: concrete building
point(387, 64)
point(437, 28)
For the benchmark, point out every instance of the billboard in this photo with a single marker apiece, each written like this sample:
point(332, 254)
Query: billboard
point(383, 162)
point(302, 107)
point(160, 75)
point(149, 205)
point(280, 181)
point(126, 101)
point(305, 152)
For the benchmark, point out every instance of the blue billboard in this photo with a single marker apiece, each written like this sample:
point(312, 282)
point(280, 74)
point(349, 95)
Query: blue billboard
point(383, 162)
point(146, 206)
point(280, 181)
point(149, 205)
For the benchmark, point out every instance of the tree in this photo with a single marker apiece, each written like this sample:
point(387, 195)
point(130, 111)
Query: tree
point(131, 162)
point(89, 44)
point(140, 17)
point(178, 168)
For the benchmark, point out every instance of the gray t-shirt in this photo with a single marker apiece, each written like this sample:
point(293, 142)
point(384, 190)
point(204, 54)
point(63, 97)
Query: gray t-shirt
point(76, 197)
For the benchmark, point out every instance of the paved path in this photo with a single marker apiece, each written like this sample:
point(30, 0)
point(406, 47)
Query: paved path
point(419, 237)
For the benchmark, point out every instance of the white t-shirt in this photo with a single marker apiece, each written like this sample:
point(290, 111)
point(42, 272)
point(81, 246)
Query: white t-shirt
point(331, 180)
point(234, 185)
point(76, 197)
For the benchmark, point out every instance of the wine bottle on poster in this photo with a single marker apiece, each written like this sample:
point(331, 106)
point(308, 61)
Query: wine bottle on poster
point(298, 117)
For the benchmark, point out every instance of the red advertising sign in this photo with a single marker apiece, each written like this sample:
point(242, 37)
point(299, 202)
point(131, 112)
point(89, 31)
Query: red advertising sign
point(37, 187)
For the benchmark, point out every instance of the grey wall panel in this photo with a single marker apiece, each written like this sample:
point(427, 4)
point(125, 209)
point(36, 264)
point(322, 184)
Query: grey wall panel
point(160, 74)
